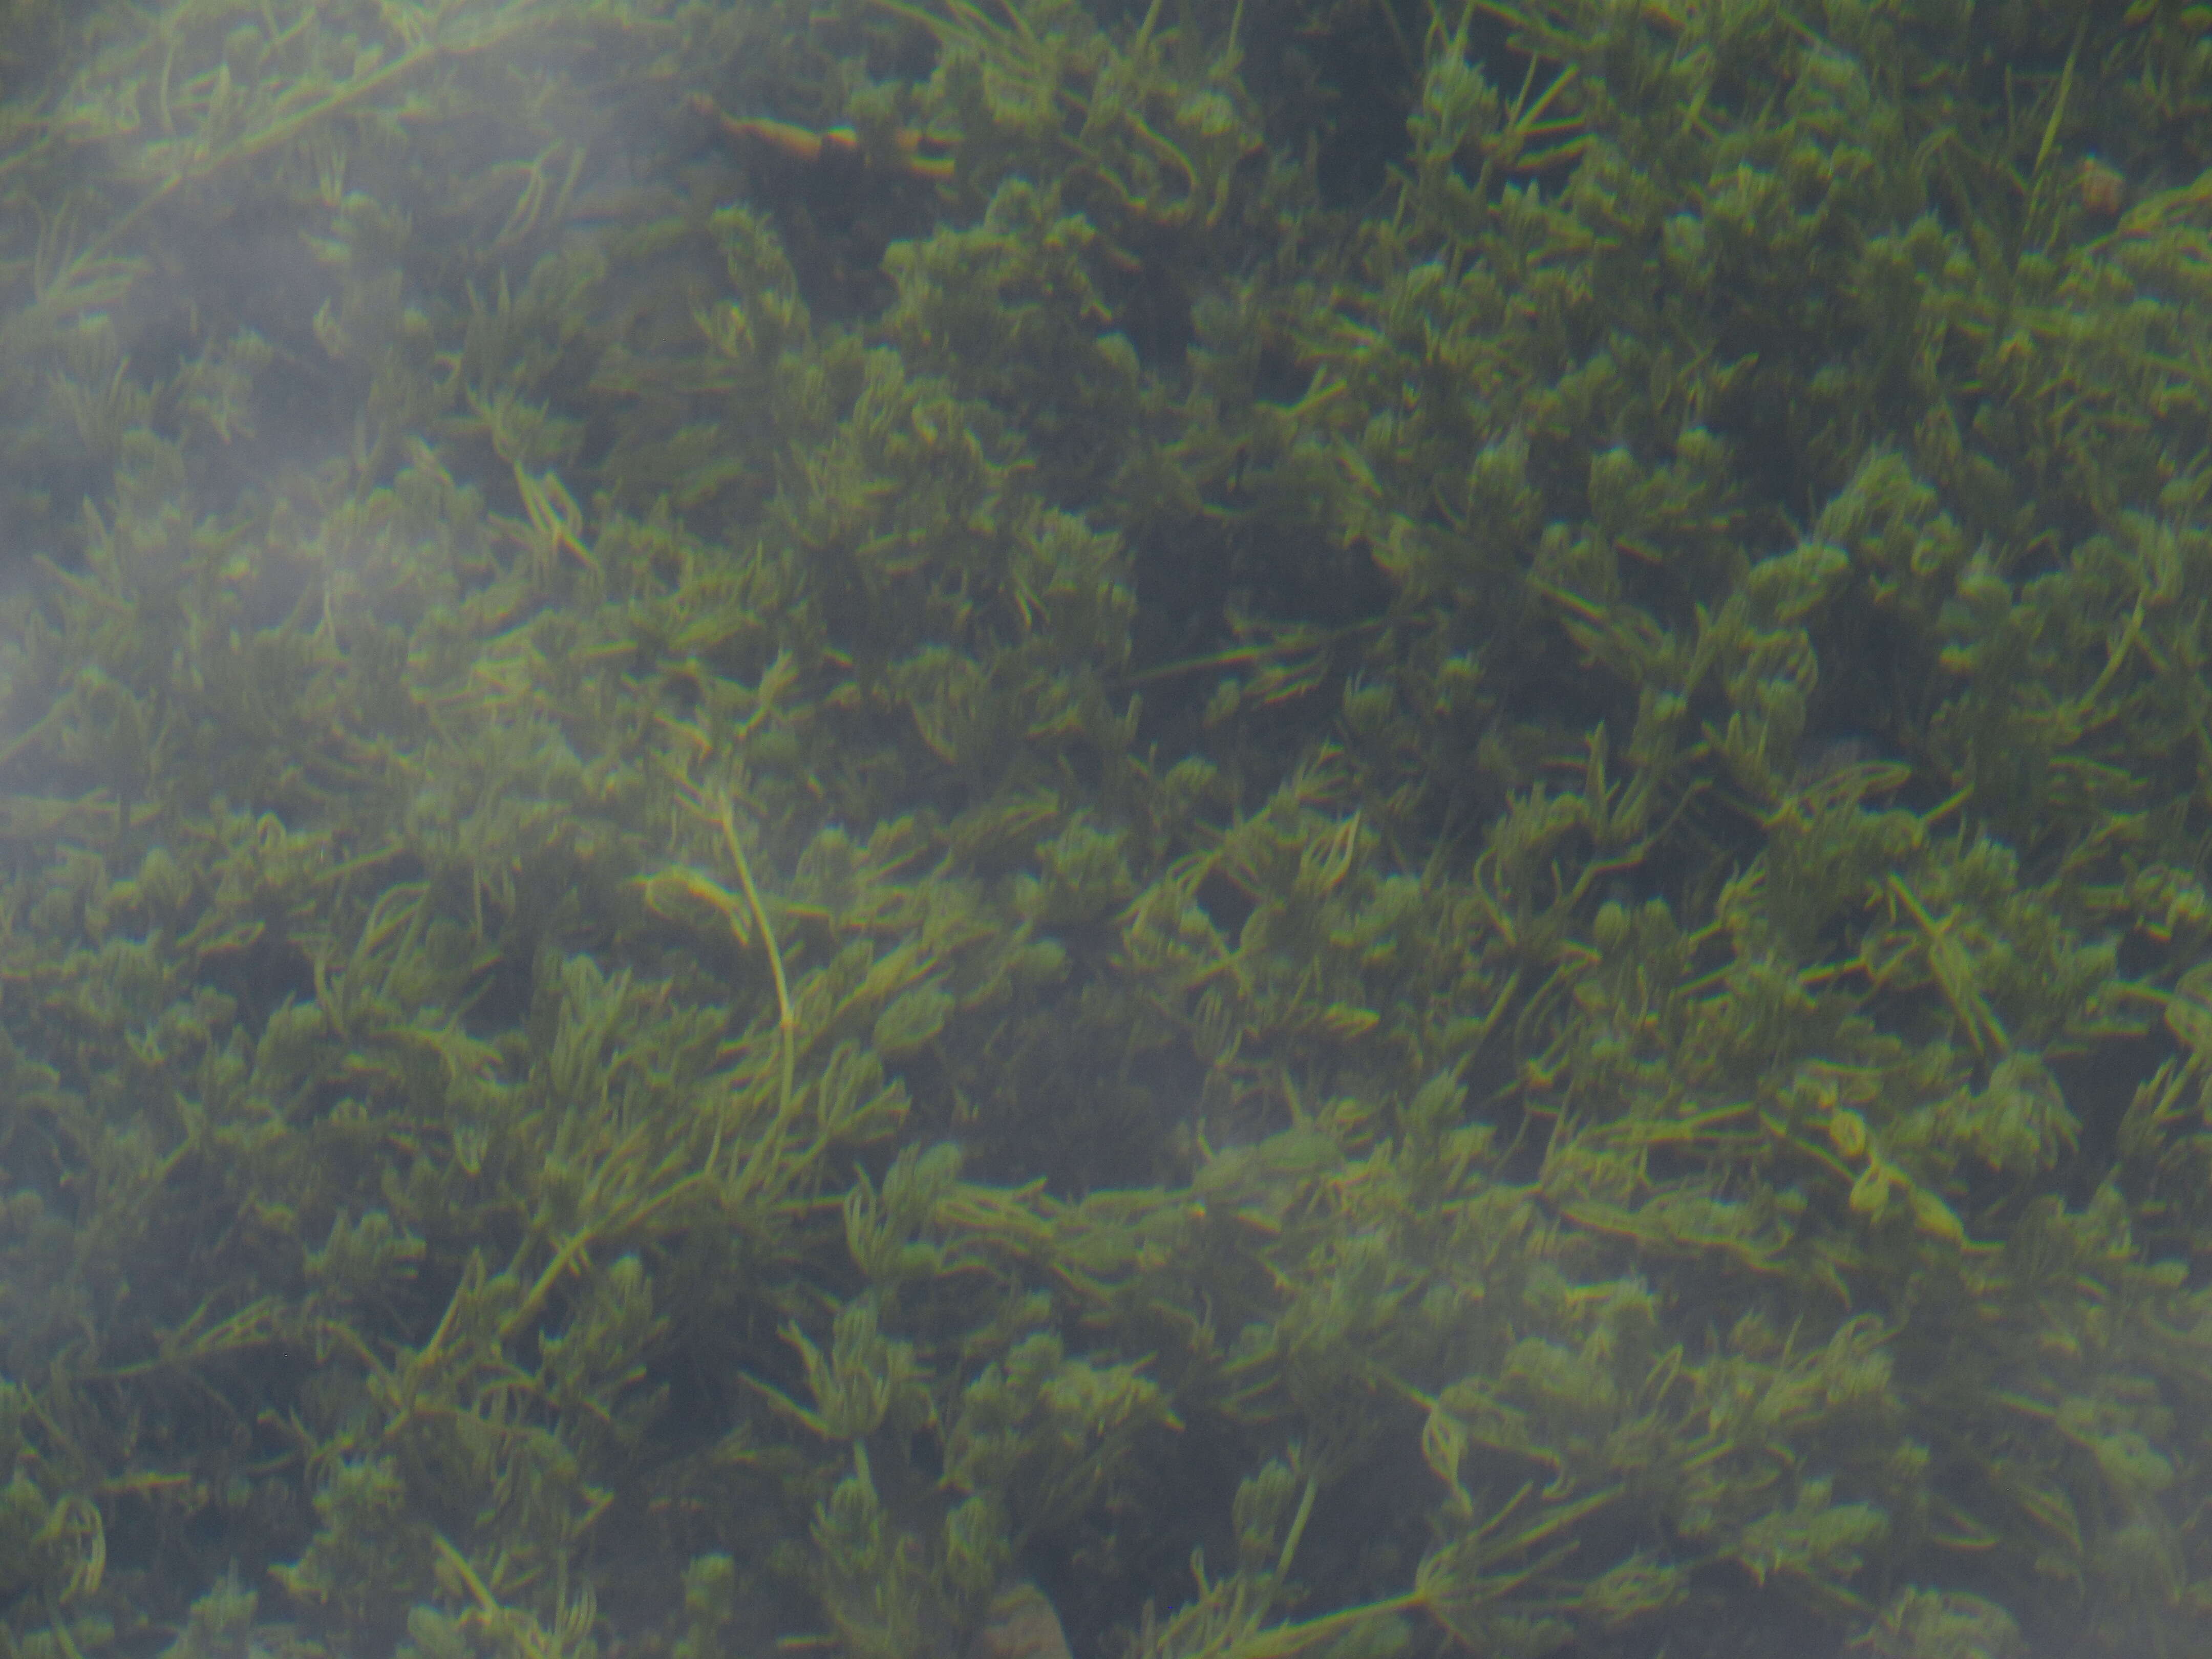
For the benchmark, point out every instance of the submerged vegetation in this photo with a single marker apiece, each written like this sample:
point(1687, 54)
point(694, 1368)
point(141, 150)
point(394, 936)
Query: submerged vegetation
point(1364, 827)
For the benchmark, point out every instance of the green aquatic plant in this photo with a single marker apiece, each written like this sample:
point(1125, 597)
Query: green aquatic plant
point(1453, 914)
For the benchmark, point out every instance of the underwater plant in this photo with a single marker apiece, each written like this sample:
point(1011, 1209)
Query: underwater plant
point(957, 827)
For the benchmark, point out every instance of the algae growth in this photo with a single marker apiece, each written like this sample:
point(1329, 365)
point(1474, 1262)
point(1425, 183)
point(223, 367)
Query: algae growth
point(1345, 829)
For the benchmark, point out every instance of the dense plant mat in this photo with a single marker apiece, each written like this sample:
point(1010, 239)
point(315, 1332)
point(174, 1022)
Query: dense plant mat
point(1315, 828)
